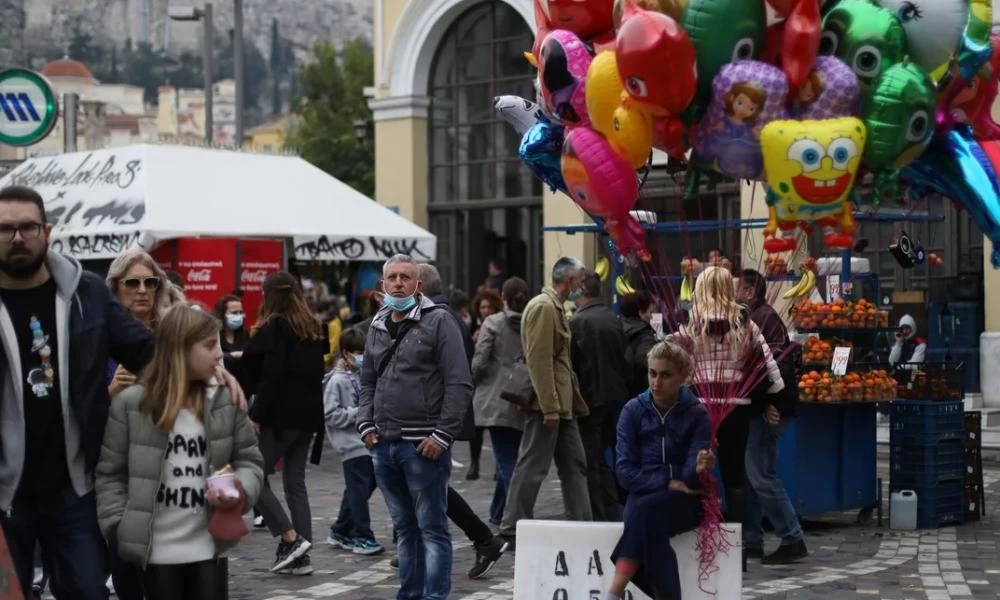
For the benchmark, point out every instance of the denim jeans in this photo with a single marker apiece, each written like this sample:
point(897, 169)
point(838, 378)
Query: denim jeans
point(416, 492)
point(354, 520)
point(766, 494)
point(506, 441)
point(73, 550)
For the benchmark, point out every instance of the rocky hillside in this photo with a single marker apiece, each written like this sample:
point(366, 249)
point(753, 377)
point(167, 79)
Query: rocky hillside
point(49, 23)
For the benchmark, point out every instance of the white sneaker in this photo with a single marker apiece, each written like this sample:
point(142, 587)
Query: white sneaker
point(258, 522)
point(455, 464)
point(111, 586)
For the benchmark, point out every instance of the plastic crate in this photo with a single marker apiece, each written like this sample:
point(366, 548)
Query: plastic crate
point(940, 505)
point(925, 423)
point(966, 323)
point(922, 466)
point(968, 358)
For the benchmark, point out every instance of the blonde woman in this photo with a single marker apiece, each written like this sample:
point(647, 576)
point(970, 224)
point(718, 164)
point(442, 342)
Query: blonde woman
point(143, 289)
point(164, 438)
point(731, 357)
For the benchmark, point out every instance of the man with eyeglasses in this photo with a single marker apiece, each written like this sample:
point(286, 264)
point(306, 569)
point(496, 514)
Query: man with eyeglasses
point(58, 326)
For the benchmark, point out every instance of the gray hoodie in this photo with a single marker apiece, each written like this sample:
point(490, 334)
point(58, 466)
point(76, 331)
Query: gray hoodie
point(341, 390)
point(426, 388)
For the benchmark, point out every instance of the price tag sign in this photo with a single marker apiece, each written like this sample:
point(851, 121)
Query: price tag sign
point(832, 288)
point(841, 355)
point(656, 322)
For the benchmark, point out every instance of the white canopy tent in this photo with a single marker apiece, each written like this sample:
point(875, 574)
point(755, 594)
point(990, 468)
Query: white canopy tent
point(107, 201)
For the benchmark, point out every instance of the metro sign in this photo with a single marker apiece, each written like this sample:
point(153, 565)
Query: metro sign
point(28, 107)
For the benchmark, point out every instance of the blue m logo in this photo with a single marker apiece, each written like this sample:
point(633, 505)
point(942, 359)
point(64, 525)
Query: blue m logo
point(18, 107)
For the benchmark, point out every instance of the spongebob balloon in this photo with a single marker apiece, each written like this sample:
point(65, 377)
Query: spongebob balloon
point(933, 29)
point(627, 127)
point(811, 167)
point(868, 38)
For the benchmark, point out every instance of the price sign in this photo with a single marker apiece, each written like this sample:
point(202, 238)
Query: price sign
point(832, 288)
point(841, 355)
point(656, 322)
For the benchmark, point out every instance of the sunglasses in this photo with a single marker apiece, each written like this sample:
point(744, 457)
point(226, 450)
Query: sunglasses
point(132, 284)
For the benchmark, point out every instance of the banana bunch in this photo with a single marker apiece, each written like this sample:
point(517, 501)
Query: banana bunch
point(687, 289)
point(623, 287)
point(603, 268)
point(805, 286)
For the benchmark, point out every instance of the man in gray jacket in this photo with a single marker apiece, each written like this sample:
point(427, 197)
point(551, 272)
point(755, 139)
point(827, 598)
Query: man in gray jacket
point(415, 390)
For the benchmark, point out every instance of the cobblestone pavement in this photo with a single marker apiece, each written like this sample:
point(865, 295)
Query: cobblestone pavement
point(847, 560)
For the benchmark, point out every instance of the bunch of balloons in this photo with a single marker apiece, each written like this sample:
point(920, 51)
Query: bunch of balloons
point(803, 95)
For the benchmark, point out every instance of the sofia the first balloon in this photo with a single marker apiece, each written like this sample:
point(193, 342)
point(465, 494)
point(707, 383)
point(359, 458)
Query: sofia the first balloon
point(562, 69)
point(746, 96)
point(830, 90)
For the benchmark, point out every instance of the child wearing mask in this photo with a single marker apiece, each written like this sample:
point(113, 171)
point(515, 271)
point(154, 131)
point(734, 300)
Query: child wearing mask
point(341, 390)
point(165, 438)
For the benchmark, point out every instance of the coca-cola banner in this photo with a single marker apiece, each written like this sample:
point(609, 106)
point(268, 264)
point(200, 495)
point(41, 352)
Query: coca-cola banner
point(260, 258)
point(208, 267)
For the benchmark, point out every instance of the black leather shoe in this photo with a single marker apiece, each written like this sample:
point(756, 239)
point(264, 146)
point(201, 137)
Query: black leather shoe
point(473, 473)
point(785, 555)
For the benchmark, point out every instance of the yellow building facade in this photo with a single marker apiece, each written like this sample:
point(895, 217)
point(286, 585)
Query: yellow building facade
point(446, 162)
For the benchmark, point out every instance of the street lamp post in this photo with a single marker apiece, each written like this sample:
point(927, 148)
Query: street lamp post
point(238, 67)
point(190, 13)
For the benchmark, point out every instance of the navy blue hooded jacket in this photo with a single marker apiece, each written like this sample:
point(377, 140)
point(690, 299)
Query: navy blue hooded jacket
point(652, 450)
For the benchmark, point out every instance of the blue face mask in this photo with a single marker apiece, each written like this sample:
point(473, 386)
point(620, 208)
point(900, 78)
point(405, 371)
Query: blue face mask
point(234, 322)
point(574, 295)
point(399, 304)
point(358, 360)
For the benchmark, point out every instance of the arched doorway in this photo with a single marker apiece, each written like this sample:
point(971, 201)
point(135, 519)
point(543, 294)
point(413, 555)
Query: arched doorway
point(483, 203)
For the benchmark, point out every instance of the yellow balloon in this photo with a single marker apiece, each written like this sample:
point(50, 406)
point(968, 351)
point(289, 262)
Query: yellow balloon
point(627, 127)
point(603, 268)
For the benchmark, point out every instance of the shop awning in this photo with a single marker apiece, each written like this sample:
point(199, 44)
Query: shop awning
point(107, 201)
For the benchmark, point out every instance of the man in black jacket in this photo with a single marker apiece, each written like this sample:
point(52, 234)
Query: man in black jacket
point(766, 494)
point(599, 363)
point(59, 325)
point(636, 312)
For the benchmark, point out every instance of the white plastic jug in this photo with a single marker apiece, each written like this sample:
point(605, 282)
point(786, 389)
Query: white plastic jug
point(903, 510)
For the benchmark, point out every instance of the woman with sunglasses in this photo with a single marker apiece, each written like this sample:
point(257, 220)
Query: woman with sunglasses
point(144, 290)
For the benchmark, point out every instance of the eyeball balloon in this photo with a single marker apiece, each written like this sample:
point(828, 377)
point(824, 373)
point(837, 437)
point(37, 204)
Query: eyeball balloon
point(866, 37)
point(623, 123)
point(746, 96)
point(811, 167)
point(722, 31)
point(562, 70)
point(933, 29)
point(647, 43)
point(899, 115)
point(830, 90)
point(597, 178)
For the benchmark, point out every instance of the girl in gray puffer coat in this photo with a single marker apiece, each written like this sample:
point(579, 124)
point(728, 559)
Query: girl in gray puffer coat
point(164, 440)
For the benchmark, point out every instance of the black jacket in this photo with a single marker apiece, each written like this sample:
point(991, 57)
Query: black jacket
point(788, 356)
point(285, 373)
point(469, 422)
point(641, 339)
point(99, 328)
point(599, 346)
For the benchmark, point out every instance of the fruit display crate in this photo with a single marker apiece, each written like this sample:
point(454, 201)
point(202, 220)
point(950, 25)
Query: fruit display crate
point(941, 381)
point(925, 422)
point(943, 504)
point(913, 467)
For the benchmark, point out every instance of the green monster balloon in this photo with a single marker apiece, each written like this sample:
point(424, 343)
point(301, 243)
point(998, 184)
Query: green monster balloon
point(722, 31)
point(899, 113)
point(868, 38)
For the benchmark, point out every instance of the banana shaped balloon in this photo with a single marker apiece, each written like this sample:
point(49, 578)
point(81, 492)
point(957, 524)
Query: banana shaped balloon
point(603, 268)
point(623, 287)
